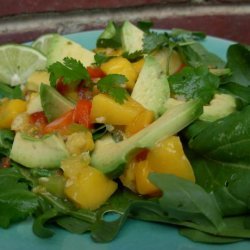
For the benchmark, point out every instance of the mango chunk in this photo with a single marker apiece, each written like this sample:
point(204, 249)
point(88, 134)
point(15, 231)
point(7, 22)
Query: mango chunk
point(9, 110)
point(90, 189)
point(123, 66)
point(106, 110)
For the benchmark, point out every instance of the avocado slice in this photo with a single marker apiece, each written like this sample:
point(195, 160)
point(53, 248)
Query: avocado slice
point(45, 152)
point(151, 89)
point(220, 106)
point(53, 103)
point(60, 47)
point(110, 157)
point(132, 37)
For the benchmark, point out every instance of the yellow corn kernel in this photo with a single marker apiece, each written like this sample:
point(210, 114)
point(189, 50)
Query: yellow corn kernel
point(80, 142)
point(9, 109)
point(143, 185)
point(138, 66)
point(168, 157)
point(106, 110)
point(123, 66)
point(140, 122)
point(90, 189)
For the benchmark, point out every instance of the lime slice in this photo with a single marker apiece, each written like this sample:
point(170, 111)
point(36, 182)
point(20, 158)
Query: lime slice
point(42, 43)
point(18, 62)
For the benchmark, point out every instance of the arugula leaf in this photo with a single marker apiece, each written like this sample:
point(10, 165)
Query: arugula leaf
point(239, 91)
point(112, 85)
point(222, 165)
point(110, 37)
point(16, 201)
point(6, 141)
point(39, 228)
point(185, 201)
point(199, 236)
point(133, 57)
point(238, 60)
point(70, 71)
point(10, 92)
point(73, 225)
point(153, 41)
point(197, 55)
point(194, 83)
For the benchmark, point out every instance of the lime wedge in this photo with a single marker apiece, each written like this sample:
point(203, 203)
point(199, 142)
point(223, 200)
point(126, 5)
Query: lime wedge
point(42, 43)
point(17, 62)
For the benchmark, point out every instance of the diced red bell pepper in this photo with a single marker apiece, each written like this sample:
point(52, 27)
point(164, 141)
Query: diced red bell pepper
point(82, 113)
point(60, 122)
point(95, 72)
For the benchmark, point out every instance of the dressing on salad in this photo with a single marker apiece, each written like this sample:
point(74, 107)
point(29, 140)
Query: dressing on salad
point(148, 125)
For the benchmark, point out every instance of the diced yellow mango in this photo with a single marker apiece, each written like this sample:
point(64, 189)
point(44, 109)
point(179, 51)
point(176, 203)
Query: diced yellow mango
point(138, 66)
point(123, 66)
point(141, 121)
point(9, 109)
point(143, 185)
point(90, 189)
point(35, 79)
point(73, 166)
point(128, 176)
point(168, 157)
point(106, 110)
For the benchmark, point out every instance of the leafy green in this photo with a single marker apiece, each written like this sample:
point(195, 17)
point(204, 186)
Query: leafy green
point(133, 57)
point(186, 35)
point(101, 58)
point(199, 236)
point(110, 37)
point(39, 227)
point(10, 92)
point(145, 26)
point(197, 55)
point(239, 91)
point(6, 140)
point(153, 41)
point(194, 83)
point(73, 225)
point(112, 85)
point(185, 201)
point(16, 201)
point(70, 71)
point(238, 60)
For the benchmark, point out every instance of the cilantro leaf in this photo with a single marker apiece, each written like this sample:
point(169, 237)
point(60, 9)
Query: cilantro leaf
point(101, 58)
point(16, 201)
point(154, 41)
point(70, 71)
point(186, 35)
point(133, 57)
point(111, 85)
point(194, 83)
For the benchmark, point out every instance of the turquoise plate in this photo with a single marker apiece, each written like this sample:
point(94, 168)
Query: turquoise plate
point(135, 235)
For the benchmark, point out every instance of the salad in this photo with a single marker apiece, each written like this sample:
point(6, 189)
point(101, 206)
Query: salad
point(148, 125)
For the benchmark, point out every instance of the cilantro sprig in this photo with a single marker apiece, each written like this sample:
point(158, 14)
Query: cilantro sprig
point(112, 85)
point(72, 71)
